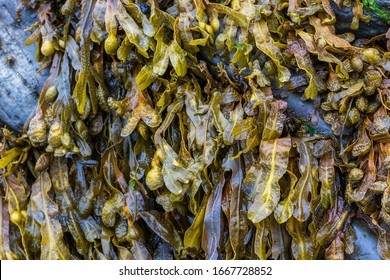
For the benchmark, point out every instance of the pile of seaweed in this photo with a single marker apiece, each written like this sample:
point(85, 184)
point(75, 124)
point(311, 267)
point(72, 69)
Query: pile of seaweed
point(157, 134)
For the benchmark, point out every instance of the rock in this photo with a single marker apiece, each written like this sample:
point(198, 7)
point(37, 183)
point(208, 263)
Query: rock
point(20, 84)
point(302, 109)
point(368, 30)
point(366, 242)
point(306, 110)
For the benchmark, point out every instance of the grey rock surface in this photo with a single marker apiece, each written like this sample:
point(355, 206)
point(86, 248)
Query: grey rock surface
point(301, 109)
point(20, 84)
point(368, 30)
point(304, 109)
point(366, 242)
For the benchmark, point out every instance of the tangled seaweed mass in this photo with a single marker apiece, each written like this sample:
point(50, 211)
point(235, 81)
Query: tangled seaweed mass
point(158, 135)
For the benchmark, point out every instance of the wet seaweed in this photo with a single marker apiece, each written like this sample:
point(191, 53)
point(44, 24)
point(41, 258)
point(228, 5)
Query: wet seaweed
point(158, 135)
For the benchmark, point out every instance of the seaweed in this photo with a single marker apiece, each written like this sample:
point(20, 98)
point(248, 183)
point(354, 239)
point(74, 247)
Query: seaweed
point(159, 134)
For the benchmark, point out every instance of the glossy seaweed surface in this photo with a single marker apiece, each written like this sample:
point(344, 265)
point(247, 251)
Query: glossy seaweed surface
point(190, 129)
